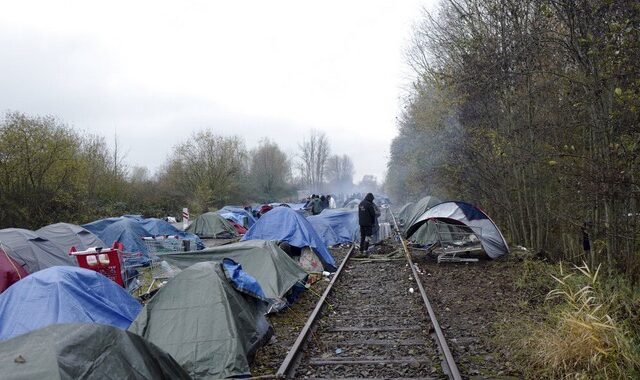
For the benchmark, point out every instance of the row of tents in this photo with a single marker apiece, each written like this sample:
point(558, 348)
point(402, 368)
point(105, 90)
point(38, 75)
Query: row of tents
point(205, 322)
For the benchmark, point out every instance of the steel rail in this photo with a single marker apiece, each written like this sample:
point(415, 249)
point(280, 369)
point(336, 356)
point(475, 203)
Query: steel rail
point(288, 366)
point(451, 369)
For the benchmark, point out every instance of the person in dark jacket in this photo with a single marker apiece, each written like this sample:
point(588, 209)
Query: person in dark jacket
point(366, 219)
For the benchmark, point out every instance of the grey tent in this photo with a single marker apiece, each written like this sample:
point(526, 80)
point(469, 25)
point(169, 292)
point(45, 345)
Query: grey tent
point(201, 320)
point(404, 212)
point(212, 225)
point(66, 235)
point(32, 251)
point(275, 271)
point(419, 208)
point(86, 351)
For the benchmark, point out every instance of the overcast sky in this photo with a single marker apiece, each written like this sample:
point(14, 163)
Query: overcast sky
point(155, 71)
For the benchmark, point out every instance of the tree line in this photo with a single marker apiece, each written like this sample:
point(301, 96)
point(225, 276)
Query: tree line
point(50, 172)
point(529, 109)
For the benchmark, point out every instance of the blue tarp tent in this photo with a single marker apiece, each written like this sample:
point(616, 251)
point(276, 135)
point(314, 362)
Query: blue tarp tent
point(64, 294)
point(159, 227)
point(285, 224)
point(98, 226)
point(336, 226)
point(130, 233)
point(240, 213)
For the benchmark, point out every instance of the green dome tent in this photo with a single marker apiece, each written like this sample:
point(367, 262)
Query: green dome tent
point(212, 225)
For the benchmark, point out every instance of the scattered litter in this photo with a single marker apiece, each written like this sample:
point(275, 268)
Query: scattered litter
point(326, 274)
point(411, 290)
point(338, 351)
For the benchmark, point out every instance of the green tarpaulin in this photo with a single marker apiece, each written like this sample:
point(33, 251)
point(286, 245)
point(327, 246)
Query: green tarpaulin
point(274, 270)
point(85, 351)
point(201, 320)
point(211, 225)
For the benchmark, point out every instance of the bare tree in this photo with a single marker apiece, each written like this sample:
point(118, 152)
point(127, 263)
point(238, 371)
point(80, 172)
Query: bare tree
point(270, 171)
point(314, 152)
point(340, 171)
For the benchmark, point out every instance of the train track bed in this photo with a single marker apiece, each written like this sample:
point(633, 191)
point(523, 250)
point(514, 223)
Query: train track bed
point(373, 326)
point(472, 301)
point(288, 323)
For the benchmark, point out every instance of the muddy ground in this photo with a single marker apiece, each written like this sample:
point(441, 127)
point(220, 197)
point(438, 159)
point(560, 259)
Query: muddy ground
point(473, 301)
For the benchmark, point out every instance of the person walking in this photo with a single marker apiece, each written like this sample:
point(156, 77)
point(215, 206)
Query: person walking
point(366, 219)
point(332, 202)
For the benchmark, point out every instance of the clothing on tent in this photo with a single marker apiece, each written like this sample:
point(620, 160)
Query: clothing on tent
point(32, 251)
point(64, 295)
point(284, 224)
point(10, 271)
point(211, 329)
point(278, 274)
point(85, 351)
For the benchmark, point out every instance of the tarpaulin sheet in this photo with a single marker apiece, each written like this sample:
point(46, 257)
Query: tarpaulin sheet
point(32, 251)
point(251, 220)
point(336, 226)
point(200, 319)
point(129, 232)
point(275, 271)
point(159, 227)
point(85, 351)
point(285, 224)
point(64, 295)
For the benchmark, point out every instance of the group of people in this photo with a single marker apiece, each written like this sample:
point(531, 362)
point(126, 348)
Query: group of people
point(316, 203)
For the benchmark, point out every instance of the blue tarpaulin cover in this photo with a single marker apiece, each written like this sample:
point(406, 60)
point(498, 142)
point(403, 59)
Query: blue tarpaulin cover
point(129, 232)
point(336, 226)
point(159, 227)
point(241, 280)
point(64, 294)
point(241, 213)
point(285, 224)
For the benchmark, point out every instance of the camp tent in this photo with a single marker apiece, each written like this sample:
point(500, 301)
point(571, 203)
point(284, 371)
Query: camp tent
point(64, 295)
point(32, 251)
point(66, 235)
point(467, 215)
point(418, 209)
point(246, 218)
point(336, 226)
point(129, 232)
point(10, 271)
point(352, 204)
point(96, 227)
point(285, 224)
point(212, 225)
point(274, 270)
point(202, 319)
point(403, 213)
point(85, 351)
point(159, 227)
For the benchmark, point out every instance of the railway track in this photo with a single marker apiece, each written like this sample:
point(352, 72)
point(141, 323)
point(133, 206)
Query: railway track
point(374, 320)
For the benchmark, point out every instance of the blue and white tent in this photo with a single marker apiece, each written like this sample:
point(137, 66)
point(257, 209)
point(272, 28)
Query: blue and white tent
point(64, 294)
point(285, 224)
point(465, 214)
